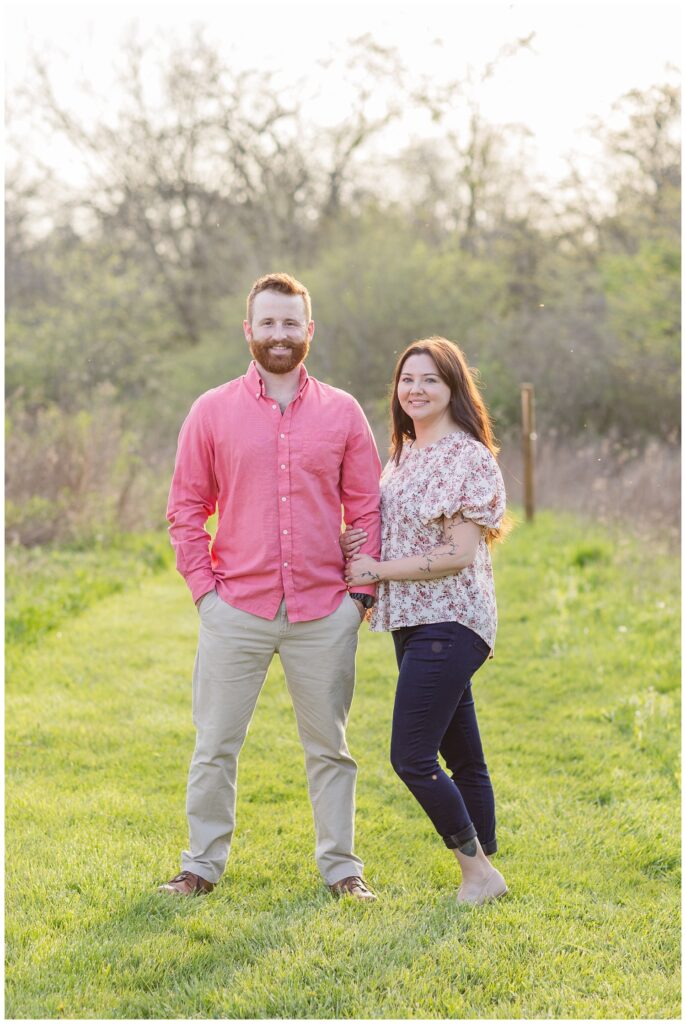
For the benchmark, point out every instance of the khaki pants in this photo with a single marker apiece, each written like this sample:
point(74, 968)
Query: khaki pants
point(235, 649)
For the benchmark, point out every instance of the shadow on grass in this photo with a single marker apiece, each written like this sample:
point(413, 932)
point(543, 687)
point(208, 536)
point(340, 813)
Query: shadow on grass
point(239, 953)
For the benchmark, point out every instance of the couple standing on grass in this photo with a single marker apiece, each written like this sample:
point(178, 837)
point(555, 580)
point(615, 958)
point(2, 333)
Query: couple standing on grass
point(279, 453)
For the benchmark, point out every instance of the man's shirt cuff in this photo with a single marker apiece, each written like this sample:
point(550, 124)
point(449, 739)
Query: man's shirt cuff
point(200, 582)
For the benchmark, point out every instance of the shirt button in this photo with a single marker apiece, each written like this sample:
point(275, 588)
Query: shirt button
point(283, 499)
point(285, 565)
point(257, 394)
point(282, 466)
point(273, 407)
point(285, 531)
point(282, 435)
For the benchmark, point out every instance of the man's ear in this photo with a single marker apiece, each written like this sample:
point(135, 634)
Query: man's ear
point(247, 331)
point(310, 330)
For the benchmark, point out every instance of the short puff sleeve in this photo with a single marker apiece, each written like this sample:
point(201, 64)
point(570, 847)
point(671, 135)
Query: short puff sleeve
point(470, 482)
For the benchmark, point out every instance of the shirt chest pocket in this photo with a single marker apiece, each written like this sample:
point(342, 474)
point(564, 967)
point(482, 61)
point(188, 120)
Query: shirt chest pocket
point(321, 453)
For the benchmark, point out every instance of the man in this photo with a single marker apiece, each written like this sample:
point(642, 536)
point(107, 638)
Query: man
point(279, 453)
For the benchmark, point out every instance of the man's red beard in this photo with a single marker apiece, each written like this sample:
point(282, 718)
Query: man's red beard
point(280, 364)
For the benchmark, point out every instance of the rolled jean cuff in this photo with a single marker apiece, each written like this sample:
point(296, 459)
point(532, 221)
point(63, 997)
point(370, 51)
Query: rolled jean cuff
point(490, 848)
point(455, 841)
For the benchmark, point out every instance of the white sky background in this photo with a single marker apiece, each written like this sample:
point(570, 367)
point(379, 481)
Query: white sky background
point(586, 54)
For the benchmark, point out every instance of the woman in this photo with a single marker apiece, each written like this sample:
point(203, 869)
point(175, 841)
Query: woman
point(442, 505)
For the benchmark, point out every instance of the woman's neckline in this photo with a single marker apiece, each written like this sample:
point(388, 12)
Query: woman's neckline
point(453, 433)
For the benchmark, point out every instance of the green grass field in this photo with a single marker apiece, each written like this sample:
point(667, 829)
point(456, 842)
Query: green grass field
point(579, 714)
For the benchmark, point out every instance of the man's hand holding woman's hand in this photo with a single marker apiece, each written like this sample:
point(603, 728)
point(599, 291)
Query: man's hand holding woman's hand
point(359, 569)
point(351, 541)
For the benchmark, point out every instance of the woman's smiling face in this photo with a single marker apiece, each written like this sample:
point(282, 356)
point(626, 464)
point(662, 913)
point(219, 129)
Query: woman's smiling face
point(422, 392)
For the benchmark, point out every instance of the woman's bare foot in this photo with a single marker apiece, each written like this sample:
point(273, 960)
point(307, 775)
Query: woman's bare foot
point(477, 893)
point(481, 882)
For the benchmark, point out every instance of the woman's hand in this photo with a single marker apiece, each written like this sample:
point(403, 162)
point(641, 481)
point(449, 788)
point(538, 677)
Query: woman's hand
point(351, 541)
point(361, 571)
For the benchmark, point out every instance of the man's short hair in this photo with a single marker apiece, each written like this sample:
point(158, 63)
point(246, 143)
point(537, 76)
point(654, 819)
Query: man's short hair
point(279, 283)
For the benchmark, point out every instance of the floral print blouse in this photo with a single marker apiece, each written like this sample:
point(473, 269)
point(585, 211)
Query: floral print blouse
point(455, 474)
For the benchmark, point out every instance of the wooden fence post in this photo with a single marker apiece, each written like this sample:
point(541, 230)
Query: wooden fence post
point(528, 448)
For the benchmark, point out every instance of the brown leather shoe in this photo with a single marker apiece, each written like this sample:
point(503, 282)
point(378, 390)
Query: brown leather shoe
point(187, 884)
point(353, 886)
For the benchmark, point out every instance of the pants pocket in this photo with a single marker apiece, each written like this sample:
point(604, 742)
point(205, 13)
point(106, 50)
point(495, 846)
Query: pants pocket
point(355, 609)
point(210, 598)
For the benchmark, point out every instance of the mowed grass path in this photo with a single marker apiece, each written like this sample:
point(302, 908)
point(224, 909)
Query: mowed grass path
point(579, 713)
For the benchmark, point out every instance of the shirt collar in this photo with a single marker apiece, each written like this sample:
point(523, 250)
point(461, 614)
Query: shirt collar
point(256, 384)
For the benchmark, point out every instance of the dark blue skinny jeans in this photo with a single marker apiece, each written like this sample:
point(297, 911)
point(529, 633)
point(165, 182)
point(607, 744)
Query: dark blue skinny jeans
point(434, 713)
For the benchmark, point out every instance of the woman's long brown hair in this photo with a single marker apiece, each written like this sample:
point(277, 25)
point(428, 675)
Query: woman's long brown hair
point(467, 407)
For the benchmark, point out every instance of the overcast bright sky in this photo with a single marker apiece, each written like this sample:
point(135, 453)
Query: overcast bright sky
point(586, 53)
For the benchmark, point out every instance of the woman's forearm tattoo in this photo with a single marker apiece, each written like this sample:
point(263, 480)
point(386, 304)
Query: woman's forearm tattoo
point(427, 564)
point(373, 577)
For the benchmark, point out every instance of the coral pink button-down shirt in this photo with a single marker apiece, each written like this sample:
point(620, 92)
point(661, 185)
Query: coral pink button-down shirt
point(279, 481)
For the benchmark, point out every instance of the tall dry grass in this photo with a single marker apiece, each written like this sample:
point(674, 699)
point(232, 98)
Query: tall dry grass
point(74, 478)
point(603, 479)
